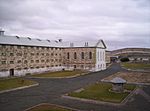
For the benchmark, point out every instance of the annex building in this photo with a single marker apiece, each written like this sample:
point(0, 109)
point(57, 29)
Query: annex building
point(23, 55)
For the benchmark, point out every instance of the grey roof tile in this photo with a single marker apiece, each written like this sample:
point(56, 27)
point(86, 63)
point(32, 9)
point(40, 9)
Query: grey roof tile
point(27, 41)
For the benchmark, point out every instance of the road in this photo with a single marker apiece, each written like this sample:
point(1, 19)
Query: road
point(50, 91)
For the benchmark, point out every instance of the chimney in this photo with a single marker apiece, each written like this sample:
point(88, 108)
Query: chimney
point(71, 44)
point(1, 32)
point(60, 40)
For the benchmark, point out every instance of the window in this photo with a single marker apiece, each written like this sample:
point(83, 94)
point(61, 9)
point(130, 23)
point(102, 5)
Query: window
point(47, 60)
point(75, 55)
point(82, 55)
point(98, 55)
point(32, 61)
point(19, 47)
point(37, 54)
point(47, 48)
point(104, 56)
point(18, 68)
point(19, 54)
point(3, 54)
point(90, 55)
point(32, 54)
point(3, 46)
point(74, 66)
point(25, 61)
point(82, 66)
point(11, 54)
point(47, 54)
point(52, 54)
point(37, 48)
point(25, 54)
point(3, 62)
point(68, 55)
point(19, 61)
point(42, 60)
point(37, 61)
point(11, 62)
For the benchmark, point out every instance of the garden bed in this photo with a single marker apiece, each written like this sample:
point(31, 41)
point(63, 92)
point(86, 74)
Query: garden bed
point(11, 83)
point(136, 66)
point(60, 74)
point(100, 92)
point(131, 77)
point(48, 107)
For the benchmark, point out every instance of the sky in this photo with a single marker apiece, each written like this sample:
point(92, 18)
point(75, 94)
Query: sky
point(120, 23)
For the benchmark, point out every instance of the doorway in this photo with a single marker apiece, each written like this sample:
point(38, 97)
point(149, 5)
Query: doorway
point(75, 67)
point(11, 72)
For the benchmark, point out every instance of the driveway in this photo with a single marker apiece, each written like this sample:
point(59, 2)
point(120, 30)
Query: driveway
point(50, 91)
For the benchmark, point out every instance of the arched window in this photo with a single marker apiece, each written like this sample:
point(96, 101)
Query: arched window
point(75, 55)
point(68, 55)
point(90, 55)
point(82, 55)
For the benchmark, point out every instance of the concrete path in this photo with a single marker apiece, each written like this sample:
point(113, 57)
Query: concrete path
point(50, 91)
point(143, 93)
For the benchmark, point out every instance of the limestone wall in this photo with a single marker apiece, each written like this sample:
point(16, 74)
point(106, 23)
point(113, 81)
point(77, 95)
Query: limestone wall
point(33, 59)
point(80, 62)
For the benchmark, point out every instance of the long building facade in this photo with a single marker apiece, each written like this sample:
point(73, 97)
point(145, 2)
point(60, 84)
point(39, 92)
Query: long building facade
point(20, 56)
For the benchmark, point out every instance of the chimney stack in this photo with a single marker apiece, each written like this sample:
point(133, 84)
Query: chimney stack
point(60, 40)
point(2, 32)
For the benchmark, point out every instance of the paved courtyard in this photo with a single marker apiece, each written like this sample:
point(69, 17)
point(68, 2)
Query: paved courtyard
point(50, 91)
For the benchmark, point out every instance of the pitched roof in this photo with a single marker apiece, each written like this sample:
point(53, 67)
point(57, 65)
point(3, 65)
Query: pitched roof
point(27, 41)
point(118, 80)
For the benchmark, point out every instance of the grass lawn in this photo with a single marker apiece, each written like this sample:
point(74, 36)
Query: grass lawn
point(48, 107)
point(100, 91)
point(136, 65)
point(11, 83)
point(59, 74)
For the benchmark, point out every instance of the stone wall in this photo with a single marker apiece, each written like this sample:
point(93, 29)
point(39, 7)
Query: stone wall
point(83, 59)
point(20, 60)
point(24, 59)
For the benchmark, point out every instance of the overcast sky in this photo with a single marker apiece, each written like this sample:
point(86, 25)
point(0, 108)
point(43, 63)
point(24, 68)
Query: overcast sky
point(120, 23)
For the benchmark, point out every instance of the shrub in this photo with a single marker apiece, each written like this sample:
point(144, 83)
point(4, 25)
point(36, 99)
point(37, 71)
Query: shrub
point(124, 59)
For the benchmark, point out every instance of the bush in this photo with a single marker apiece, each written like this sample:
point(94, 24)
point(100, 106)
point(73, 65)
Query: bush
point(124, 59)
point(28, 74)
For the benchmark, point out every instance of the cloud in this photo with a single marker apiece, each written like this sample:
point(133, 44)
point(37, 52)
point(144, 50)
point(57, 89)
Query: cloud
point(114, 21)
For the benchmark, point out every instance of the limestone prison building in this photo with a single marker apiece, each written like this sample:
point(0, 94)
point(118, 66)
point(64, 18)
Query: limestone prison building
point(22, 55)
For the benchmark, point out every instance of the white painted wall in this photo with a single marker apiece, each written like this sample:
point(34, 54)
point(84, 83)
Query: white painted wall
point(4, 74)
point(100, 59)
point(32, 71)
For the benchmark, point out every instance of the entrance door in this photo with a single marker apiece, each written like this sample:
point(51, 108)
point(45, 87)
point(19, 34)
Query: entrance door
point(11, 72)
point(75, 67)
